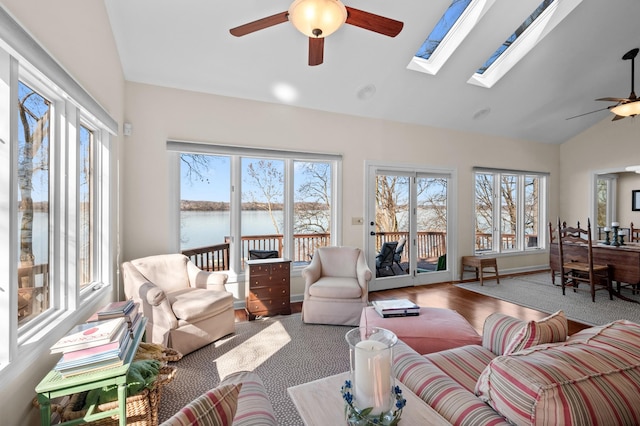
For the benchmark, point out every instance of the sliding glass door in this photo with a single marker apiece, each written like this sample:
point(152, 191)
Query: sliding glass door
point(407, 223)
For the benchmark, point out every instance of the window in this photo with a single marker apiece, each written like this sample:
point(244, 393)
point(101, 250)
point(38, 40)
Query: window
point(606, 190)
point(55, 206)
point(236, 200)
point(33, 203)
point(509, 211)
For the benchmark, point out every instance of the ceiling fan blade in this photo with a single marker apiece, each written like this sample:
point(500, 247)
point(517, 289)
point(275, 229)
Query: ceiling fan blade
point(619, 100)
point(617, 117)
point(260, 24)
point(587, 113)
point(371, 22)
point(316, 50)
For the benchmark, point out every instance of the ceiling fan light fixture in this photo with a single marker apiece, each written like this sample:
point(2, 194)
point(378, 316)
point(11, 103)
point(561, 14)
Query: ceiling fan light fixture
point(627, 109)
point(317, 18)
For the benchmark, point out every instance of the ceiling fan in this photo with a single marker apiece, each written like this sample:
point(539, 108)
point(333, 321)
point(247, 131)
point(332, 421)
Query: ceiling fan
point(624, 107)
point(318, 19)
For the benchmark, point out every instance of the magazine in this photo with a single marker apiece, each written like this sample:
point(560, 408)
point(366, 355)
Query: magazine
point(396, 308)
point(88, 335)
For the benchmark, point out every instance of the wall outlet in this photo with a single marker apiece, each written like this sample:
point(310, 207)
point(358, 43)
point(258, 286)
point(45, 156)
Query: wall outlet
point(357, 221)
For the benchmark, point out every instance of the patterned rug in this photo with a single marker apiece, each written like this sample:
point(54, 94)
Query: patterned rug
point(536, 291)
point(276, 348)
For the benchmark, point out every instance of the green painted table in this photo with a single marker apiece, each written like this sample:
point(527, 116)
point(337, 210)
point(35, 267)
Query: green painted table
point(54, 385)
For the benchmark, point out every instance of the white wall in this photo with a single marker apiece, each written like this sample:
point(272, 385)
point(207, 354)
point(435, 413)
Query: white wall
point(78, 35)
point(158, 114)
point(607, 146)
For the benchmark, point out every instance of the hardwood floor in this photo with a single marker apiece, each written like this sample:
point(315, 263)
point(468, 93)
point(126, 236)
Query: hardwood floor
point(473, 306)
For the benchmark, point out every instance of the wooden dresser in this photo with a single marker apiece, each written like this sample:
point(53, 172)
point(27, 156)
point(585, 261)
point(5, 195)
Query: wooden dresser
point(268, 287)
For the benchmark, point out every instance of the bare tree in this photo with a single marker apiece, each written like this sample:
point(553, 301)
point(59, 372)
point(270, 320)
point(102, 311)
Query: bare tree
point(196, 166)
point(391, 199)
point(313, 204)
point(32, 156)
point(268, 180)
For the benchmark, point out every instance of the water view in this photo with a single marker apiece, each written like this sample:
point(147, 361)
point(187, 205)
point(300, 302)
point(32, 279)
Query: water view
point(205, 228)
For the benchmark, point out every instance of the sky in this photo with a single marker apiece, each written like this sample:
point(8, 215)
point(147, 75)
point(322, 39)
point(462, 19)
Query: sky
point(216, 186)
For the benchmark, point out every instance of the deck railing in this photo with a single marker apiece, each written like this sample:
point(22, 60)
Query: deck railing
point(430, 246)
point(210, 258)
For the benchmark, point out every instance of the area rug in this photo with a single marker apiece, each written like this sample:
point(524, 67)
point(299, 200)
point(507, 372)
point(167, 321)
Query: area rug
point(282, 350)
point(537, 292)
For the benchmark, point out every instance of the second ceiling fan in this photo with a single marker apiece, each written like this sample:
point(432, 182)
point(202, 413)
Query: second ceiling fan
point(319, 18)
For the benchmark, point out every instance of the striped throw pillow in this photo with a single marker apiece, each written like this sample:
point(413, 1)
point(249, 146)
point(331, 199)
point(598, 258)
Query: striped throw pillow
point(215, 407)
point(552, 329)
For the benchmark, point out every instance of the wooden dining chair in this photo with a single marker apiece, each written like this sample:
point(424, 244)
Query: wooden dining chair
point(576, 261)
point(634, 234)
point(554, 258)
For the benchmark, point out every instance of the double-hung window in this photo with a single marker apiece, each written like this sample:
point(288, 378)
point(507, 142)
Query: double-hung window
point(510, 211)
point(234, 201)
point(56, 251)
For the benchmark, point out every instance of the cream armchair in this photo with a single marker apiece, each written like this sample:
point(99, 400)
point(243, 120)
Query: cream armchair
point(336, 286)
point(186, 308)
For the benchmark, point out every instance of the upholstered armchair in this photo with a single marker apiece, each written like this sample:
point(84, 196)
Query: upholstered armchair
point(336, 286)
point(186, 308)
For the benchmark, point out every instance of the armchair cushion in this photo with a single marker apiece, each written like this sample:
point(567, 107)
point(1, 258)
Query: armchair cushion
point(194, 304)
point(169, 272)
point(338, 261)
point(336, 288)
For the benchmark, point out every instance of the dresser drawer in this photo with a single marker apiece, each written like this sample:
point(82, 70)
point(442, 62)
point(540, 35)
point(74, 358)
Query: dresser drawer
point(269, 269)
point(269, 306)
point(269, 293)
point(270, 281)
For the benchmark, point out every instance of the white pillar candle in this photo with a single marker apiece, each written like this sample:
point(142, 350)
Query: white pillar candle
point(372, 375)
point(615, 224)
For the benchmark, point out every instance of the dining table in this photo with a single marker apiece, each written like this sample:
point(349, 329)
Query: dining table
point(624, 260)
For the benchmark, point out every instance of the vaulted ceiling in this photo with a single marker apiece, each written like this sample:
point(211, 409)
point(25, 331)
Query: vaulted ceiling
point(186, 44)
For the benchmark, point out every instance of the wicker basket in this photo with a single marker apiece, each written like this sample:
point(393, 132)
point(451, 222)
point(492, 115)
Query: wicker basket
point(158, 352)
point(142, 409)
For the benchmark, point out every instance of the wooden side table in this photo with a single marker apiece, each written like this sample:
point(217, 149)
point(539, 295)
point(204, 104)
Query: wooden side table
point(54, 385)
point(268, 287)
point(478, 263)
point(320, 403)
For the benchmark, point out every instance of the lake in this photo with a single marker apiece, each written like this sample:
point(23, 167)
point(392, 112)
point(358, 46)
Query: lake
point(201, 229)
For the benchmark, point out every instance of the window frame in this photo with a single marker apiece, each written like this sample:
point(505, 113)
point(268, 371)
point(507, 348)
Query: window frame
point(22, 59)
point(236, 153)
point(520, 246)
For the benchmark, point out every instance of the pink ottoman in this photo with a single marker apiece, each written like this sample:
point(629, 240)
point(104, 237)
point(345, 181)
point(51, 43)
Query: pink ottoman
point(434, 330)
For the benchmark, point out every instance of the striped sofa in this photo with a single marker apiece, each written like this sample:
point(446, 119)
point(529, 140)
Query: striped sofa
point(239, 400)
point(531, 373)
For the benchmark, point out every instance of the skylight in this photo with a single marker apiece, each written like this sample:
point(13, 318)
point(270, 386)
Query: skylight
point(462, 16)
point(446, 22)
point(535, 28)
point(452, 28)
point(517, 33)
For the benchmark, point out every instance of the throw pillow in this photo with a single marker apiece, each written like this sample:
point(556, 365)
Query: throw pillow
point(216, 407)
point(551, 329)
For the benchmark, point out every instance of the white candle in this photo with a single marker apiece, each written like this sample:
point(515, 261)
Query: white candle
point(372, 375)
point(615, 224)
point(606, 229)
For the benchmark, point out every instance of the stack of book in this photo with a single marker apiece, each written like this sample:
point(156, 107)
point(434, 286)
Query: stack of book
point(100, 343)
point(127, 309)
point(396, 308)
